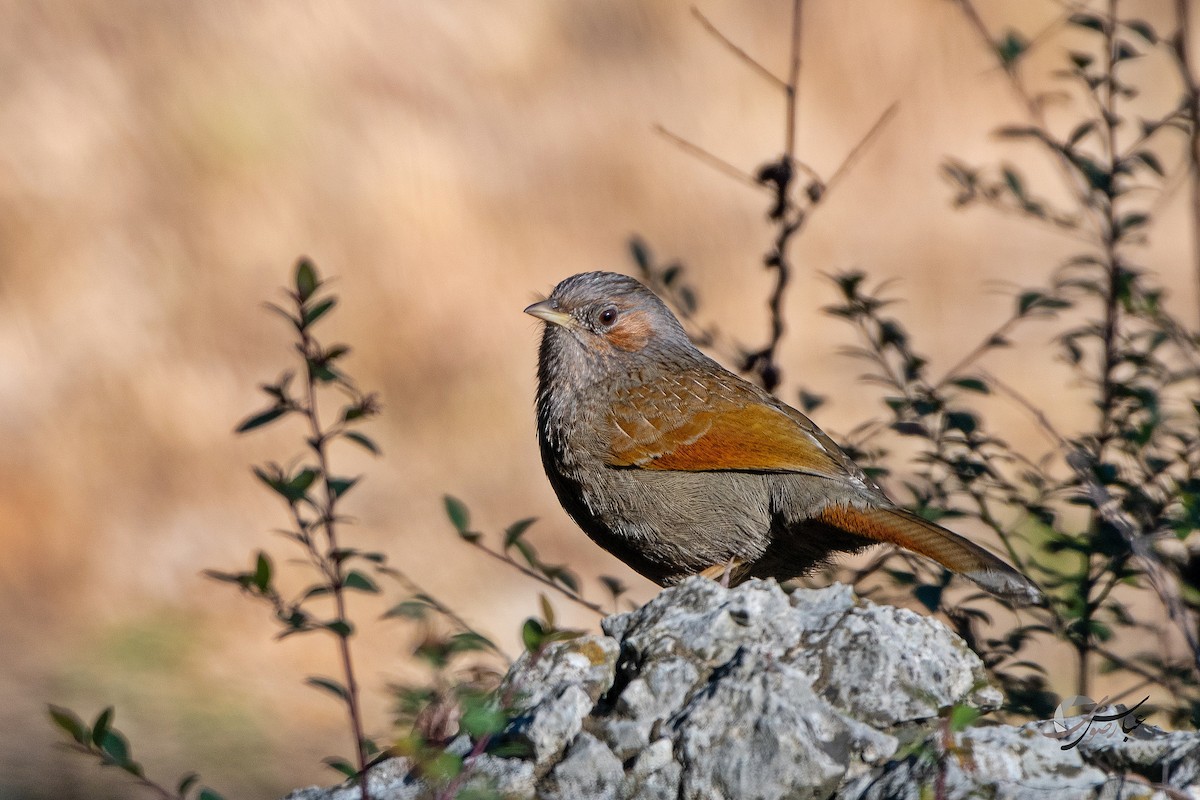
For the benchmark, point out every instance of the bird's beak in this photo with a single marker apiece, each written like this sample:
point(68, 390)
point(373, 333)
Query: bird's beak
point(548, 310)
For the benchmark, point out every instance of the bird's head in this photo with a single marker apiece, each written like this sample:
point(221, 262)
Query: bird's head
point(608, 319)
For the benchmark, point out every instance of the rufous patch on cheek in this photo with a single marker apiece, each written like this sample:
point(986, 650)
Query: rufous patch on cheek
point(632, 331)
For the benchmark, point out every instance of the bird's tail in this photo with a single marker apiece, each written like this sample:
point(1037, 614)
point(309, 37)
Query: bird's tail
point(933, 541)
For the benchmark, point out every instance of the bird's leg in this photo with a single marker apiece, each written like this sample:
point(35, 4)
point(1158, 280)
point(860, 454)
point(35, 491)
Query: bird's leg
point(723, 573)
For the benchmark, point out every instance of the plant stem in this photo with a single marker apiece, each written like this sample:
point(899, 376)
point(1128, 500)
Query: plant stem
point(1192, 100)
point(318, 443)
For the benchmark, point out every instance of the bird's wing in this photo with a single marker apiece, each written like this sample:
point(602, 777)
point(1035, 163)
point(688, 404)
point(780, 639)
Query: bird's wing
point(699, 423)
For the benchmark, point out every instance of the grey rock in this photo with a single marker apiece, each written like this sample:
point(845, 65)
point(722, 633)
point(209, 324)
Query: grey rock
point(552, 724)
point(749, 692)
point(589, 771)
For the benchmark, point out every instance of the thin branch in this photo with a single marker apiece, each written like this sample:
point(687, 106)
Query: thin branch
point(716, 162)
point(793, 82)
point(415, 588)
point(852, 157)
point(737, 51)
point(1072, 179)
point(319, 439)
point(1182, 46)
point(1108, 508)
point(542, 579)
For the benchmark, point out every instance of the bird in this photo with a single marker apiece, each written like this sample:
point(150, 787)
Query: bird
point(679, 467)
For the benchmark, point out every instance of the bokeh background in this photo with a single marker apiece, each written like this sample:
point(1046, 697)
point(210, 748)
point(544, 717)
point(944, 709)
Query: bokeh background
point(162, 166)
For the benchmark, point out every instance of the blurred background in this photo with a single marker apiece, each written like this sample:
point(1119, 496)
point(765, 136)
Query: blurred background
point(162, 166)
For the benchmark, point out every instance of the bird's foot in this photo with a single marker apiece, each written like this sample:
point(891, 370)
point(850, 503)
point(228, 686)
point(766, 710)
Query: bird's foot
point(723, 573)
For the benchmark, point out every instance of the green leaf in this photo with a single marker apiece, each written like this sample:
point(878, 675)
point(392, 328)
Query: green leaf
point(1143, 29)
point(1015, 184)
point(70, 722)
point(615, 587)
point(532, 635)
point(101, 725)
point(187, 782)
point(483, 721)
point(341, 765)
point(1131, 221)
point(363, 441)
point(340, 627)
point(329, 685)
point(208, 794)
point(1081, 130)
point(306, 279)
point(971, 384)
point(469, 642)
point(459, 516)
point(258, 420)
point(963, 421)
point(301, 482)
point(962, 716)
point(313, 314)
point(117, 748)
point(1011, 46)
point(262, 572)
point(339, 486)
point(929, 596)
point(317, 590)
point(1089, 21)
point(515, 531)
point(410, 609)
point(356, 580)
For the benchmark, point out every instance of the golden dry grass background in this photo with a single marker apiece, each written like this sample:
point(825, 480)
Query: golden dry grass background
point(162, 165)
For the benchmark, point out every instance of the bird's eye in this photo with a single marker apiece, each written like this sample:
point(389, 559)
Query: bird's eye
point(608, 316)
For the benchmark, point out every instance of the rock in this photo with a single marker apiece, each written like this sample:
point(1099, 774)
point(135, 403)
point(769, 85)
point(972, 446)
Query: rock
point(708, 693)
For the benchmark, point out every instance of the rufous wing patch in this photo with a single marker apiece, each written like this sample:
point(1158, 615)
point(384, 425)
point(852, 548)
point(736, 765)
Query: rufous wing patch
point(754, 437)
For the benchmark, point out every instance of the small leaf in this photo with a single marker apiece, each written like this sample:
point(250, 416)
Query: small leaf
point(339, 486)
point(1015, 185)
point(962, 716)
point(1089, 21)
point(363, 441)
point(532, 635)
point(306, 279)
point(356, 580)
point(117, 748)
point(810, 402)
point(929, 596)
point(101, 725)
point(187, 782)
point(262, 572)
point(515, 531)
point(313, 314)
point(1131, 221)
point(340, 627)
point(971, 384)
point(70, 722)
point(409, 609)
point(615, 587)
point(457, 511)
point(258, 420)
point(208, 794)
point(1011, 46)
point(483, 721)
point(1143, 29)
point(1081, 130)
point(341, 765)
point(301, 482)
point(963, 421)
point(331, 686)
